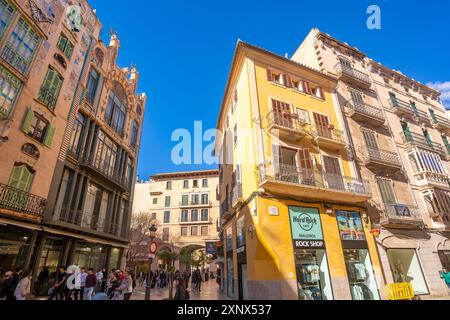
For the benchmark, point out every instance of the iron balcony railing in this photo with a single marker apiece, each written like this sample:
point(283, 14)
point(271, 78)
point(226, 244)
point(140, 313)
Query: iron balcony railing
point(329, 133)
point(343, 69)
point(420, 141)
point(383, 156)
point(408, 108)
point(19, 63)
point(47, 97)
point(92, 222)
point(103, 167)
point(195, 203)
point(402, 211)
point(287, 121)
point(21, 202)
point(438, 120)
point(367, 110)
point(315, 178)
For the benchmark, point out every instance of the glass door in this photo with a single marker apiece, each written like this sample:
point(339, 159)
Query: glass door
point(333, 174)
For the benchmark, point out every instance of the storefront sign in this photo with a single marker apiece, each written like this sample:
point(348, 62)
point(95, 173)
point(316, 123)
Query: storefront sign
point(306, 228)
point(211, 247)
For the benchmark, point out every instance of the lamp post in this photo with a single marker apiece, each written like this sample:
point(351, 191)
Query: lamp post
point(152, 230)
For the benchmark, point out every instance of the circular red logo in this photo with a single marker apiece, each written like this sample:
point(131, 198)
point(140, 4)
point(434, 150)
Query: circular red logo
point(153, 247)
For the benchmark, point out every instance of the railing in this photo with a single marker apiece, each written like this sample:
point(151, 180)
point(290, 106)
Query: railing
point(421, 141)
point(381, 156)
point(439, 120)
point(352, 72)
point(195, 203)
point(47, 97)
point(224, 207)
point(14, 59)
point(286, 120)
point(401, 105)
point(315, 178)
point(401, 211)
point(329, 133)
point(367, 110)
point(91, 222)
point(236, 193)
point(21, 202)
point(432, 178)
point(105, 170)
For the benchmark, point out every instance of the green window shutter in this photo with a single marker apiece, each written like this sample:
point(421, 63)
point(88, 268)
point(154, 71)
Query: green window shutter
point(48, 141)
point(69, 51)
point(62, 41)
point(28, 120)
point(21, 178)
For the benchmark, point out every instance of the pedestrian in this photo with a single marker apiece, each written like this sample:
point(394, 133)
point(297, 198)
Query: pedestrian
point(113, 284)
point(180, 290)
point(153, 277)
point(90, 284)
point(59, 286)
point(445, 274)
point(126, 286)
point(23, 288)
point(6, 289)
point(42, 280)
point(219, 276)
point(99, 278)
point(104, 280)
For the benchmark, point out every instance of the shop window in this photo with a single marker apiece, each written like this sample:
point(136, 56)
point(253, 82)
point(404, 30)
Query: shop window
point(405, 267)
point(50, 89)
point(9, 89)
point(360, 274)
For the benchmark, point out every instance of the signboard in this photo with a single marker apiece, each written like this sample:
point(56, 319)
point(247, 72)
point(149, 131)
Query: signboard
point(211, 247)
point(153, 248)
point(306, 228)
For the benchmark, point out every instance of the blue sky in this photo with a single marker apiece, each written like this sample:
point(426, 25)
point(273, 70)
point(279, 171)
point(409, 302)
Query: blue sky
point(183, 50)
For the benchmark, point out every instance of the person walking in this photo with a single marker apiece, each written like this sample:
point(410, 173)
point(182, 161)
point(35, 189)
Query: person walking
point(104, 280)
point(7, 289)
point(180, 290)
point(99, 281)
point(59, 286)
point(126, 287)
point(90, 284)
point(42, 279)
point(23, 288)
point(79, 292)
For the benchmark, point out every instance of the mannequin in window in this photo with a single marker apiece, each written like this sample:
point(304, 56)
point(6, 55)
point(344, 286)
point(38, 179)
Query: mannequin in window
point(353, 230)
point(399, 274)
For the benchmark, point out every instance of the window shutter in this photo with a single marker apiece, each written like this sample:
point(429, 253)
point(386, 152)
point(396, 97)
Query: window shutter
point(287, 80)
point(276, 156)
point(322, 95)
point(306, 87)
point(269, 74)
point(48, 141)
point(28, 120)
point(14, 179)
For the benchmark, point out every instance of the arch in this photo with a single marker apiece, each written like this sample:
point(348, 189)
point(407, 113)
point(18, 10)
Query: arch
point(443, 245)
point(31, 150)
point(119, 91)
point(99, 57)
point(399, 242)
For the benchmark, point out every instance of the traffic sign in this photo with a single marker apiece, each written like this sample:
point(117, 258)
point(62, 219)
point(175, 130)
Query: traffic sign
point(153, 247)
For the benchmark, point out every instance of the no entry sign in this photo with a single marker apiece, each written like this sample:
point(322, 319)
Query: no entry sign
point(153, 248)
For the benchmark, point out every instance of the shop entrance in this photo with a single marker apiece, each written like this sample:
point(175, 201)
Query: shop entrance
point(242, 276)
point(14, 246)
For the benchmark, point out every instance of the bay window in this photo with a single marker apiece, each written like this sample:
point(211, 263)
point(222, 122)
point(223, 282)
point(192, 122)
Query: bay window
point(105, 155)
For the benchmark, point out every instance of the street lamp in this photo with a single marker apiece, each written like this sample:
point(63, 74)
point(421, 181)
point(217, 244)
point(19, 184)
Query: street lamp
point(152, 230)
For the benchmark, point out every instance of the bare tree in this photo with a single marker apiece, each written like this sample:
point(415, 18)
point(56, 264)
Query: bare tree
point(140, 237)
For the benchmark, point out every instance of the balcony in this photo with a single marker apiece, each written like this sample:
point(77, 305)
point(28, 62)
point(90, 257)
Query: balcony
point(236, 197)
point(432, 179)
point(401, 108)
point(287, 125)
point(348, 74)
point(377, 158)
point(364, 112)
point(313, 184)
point(440, 123)
point(413, 140)
point(89, 222)
point(190, 204)
point(104, 171)
point(225, 211)
point(21, 204)
point(330, 138)
point(401, 216)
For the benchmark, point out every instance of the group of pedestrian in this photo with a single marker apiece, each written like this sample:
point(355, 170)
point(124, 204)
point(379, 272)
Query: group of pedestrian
point(16, 285)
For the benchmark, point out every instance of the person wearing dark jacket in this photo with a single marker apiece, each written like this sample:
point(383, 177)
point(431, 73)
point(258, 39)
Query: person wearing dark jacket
point(91, 282)
point(180, 290)
point(7, 286)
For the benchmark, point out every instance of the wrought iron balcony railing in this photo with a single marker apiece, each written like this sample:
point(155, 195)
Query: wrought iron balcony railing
point(382, 157)
point(316, 179)
point(432, 178)
point(47, 97)
point(345, 70)
point(21, 202)
point(19, 63)
point(287, 121)
point(418, 140)
point(402, 212)
point(103, 167)
point(328, 133)
point(439, 122)
point(367, 110)
point(195, 203)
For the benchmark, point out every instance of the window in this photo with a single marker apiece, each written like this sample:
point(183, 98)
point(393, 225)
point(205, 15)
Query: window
point(317, 92)
point(205, 231)
point(205, 198)
point(166, 233)
point(154, 215)
point(205, 183)
point(167, 202)
point(38, 128)
point(65, 46)
point(78, 129)
point(91, 86)
point(9, 89)
point(31, 150)
point(21, 178)
point(357, 98)
point(169, 185)
point(155, 200)
point(446, 143)
point(280, 78)
point(205, 214)
point(21, 47)
point(134, 134)
point(184, 215)
point(6, 13)
point(106, 153)
point(195, 184)
point(186, 184)
point(185, 200)
point(166, 217)
point(195, 199)
point(115, 113)
point(194, 231)
point(184, 231)
point(386, 191)
point(50, 89)
point(194, 215)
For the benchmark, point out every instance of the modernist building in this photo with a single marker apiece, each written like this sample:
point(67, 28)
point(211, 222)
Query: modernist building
point(399, 131)
point(184, 208)
point(292, 201)
point(70, 129)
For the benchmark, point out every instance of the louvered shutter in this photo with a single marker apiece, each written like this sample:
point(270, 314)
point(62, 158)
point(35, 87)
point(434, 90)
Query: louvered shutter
point(28, 120)
point(269, 74)
point(48, 141)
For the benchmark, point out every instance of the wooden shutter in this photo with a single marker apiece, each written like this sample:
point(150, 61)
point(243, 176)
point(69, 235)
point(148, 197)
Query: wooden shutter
point(28, 120)
point(21, 178)
point(48, 141)
point(306, 87)
point(269, 74)
point(304, 157)
point(370, 139)
point(331, 165)
point(386, 190)
point(322, 95)
point(287, 80)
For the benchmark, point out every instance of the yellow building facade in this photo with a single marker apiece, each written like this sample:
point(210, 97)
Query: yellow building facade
point(292, 202)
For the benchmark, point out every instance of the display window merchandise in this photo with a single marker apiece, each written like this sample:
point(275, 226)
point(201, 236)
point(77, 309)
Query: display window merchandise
point(360, 275)
point(405, 267)
point(313, 278)
point(350, 226)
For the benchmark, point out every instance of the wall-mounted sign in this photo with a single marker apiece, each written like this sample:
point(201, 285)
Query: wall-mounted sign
point(306, 228)
point(211, 247)
point(274, 211)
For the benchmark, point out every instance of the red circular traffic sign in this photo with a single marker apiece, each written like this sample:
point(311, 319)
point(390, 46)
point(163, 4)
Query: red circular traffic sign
point(153, 247)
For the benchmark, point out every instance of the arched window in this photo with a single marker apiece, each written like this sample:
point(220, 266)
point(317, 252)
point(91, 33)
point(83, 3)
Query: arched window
point(116, 109)
point(99, 57)
point(31, 150)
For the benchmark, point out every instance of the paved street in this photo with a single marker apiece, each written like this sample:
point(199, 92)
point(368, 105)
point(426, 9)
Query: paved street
point(210, 291)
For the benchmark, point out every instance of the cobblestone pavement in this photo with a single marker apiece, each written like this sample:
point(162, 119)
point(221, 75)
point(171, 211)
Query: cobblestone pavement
point(210, 291)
